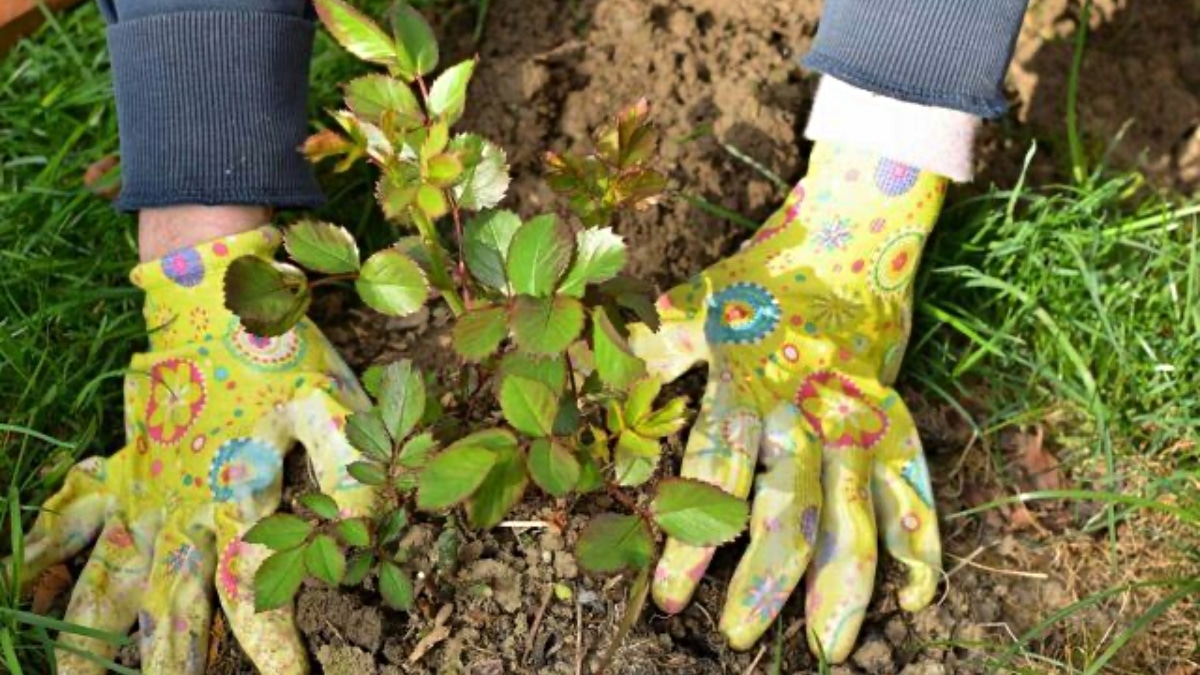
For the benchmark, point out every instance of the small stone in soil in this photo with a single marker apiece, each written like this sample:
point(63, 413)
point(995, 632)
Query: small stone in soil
point(924, 668)
point(345, 660)
point(875, 657)
point(896, 631)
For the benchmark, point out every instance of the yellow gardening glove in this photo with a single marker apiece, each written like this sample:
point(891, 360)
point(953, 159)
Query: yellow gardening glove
point(210, 413)
point(803, 333)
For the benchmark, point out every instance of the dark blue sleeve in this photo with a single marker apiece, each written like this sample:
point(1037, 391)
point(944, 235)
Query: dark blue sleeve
point(946, 53)
point(211, 101)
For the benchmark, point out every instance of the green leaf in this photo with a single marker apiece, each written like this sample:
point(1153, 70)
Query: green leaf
point(269, 297)
point(367, 433)
point(367, 473)
point(324, 560)
point(636, 458)
point(321, 504)
point(628, 139)
point(599, 256)
point(550, 372)
point(614, 416)
point(401, 398)
point(416, 47)
point(616, 364)
point(396, 193)
point(486, 242)
point(698, 513)
point(492, 439)
point(478, 333)
point(392, 283)
point(451, 476)
point(485, 179)
point(354, 532)
point(501, 489)
point(355, 32)
point(568, 419)
point(448, 95)
point(528, 405)
point(636, 296)
point(546, 326)
point(640, 400)
point(279, 532)
point(372, 379)
point(392, 526)
point(665, 421)
point(415, 452)
point(375, 97)
point(553, 467)
point(432, 202)
point(322, 247)
point(357, 568)
point(367, 137)
point(436, 139)
point(395, 586)
point(613, 543)
point(539, 254)
point(444, 170)
point(277, 579)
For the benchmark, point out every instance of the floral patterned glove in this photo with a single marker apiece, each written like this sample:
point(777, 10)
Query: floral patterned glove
point(803, 333)
point(210, 413)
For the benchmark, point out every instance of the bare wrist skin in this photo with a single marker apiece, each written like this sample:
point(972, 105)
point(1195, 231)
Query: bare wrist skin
point(162, 230)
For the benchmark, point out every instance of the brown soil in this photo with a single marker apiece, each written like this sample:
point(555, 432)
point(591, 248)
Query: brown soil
point(725, 72)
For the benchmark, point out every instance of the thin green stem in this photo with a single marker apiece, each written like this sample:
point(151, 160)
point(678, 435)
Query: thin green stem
point(439, 269)
point(1078, 159)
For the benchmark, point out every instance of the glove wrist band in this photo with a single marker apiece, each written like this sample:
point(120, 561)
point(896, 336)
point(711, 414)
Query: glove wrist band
point(938, 140)
point(212, 108)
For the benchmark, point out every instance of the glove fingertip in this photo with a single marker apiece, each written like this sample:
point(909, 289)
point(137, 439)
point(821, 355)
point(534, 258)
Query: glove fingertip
point(919, 592)
point(679, 572)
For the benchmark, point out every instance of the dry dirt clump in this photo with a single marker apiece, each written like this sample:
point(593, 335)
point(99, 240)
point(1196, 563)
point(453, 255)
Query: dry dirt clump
point(1140, 81)
point(720, 72)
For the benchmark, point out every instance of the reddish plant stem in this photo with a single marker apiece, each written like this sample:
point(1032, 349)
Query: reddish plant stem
point(424, 91)
point(461, 267)
point(625, 500)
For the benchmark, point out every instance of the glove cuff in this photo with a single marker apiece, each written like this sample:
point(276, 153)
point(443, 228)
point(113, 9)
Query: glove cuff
point(946, 53)
point(938, 140)
point(212, 109)
point(200, 269)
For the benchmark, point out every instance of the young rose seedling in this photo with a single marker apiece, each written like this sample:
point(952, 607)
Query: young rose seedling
point(540, 308)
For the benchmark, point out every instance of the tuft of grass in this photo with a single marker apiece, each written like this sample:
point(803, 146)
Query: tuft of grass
point(69, 320)
point(1084, 296)
point(1062, 293)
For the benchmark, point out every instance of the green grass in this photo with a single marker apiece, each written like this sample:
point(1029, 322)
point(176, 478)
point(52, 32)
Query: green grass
point(68, 318)
point(1083, 296)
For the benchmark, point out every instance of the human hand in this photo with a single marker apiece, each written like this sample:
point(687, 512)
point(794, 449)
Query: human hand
point(803, 333)
point(210, 413)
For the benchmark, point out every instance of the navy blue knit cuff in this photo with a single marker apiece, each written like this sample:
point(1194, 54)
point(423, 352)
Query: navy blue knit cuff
point(212, 109)
point(946, 53)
